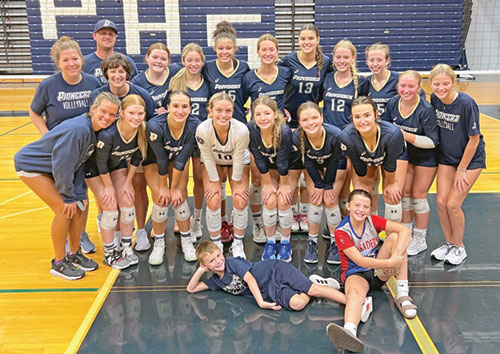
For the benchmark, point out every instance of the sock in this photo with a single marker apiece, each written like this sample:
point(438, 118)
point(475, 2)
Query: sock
point(108, 247)
point(256, 216)
point(420, 233)
point(304, 207)
point(351, 327)
point(239, 238)
point(271, 239)
point(403, 288)
point(313, 238)
point(216, 238)
point(140, 230)
point(184, 235)
point(197, 214)
point(285, 238)
point(127, 241)
point(223, 218)
point(54, 262)
point(157, 237)
point(332, 237)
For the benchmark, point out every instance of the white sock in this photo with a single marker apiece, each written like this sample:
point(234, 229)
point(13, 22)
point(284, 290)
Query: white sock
point(313, 238)
point(351, 327)
point(197, 214)
point(403, 288)
point(420, 233)
point(271, 239)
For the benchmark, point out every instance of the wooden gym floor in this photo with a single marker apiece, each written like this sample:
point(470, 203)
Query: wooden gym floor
point(146, 309)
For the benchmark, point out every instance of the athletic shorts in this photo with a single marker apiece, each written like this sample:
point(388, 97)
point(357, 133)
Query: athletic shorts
point(374, 282)
point(28, 174)
point(91, 169)
point(342, 164)
point(150, 157)
point(196, 152)
point(287, 281)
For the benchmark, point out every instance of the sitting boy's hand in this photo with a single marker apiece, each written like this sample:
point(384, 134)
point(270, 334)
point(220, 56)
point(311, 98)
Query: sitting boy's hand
point(270, 306)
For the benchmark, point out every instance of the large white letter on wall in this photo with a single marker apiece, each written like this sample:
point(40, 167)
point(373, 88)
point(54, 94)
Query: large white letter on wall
point(49, 11)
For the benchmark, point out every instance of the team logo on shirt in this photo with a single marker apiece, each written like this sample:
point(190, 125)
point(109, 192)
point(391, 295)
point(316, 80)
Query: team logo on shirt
point(236, 285)
point(343, 147)
point(100, 144)
point(153, 136)
point(200, 140)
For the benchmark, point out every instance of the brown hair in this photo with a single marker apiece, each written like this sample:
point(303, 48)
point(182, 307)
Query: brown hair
point(360, 192)
point(267, 37)
point(178, 93)
point(302, 134)
point(347, 44)
point(224, 29)
point(269, 102)
point(159, 46)
point(178, 82)
point(378, 46)
point(364, 100)
point(115, 61)
point(442, 69)
point(131, 100)
point(204, 249)
point(319, 52)
point(64, 43)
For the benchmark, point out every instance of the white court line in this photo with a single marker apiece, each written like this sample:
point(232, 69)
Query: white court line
point(14, 198)
point(22, 212)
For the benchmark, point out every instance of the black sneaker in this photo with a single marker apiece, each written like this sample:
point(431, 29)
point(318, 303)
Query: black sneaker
point(66, 270)
point(326, 233)
point(333, 254)
point(115, 260)
point(82, 262)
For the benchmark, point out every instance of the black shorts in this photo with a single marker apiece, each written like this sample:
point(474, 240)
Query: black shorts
point(374, 282)
point(92, 171)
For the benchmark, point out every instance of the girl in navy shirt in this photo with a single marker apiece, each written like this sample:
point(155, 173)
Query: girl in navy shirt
point(417, 121)
point(109, 174)
point(370, 143)
point(53, 167)
point(461, 160)
point(320, 150)
point(172, 138)
point(271, 148)
point(157, 76)
point(190, 79)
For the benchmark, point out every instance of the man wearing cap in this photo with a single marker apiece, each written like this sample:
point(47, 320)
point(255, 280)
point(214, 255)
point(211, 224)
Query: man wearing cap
point(105, 32)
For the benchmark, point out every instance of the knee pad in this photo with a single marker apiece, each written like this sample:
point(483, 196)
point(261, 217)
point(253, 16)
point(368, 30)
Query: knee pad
point(240, 218)
point(343, 205)
point(255, 195)
point(314, 214)
point(406, 203)
point(269, 217)
point(375, 187)
point(109, 219)
point(182, 212)
point(223, 191)
point(286, 218)
point(302, 181)
point(159, 213)
point(393, 212)
point(213, 220)
point(127, 215)
point(333, 217)
point(421, 206)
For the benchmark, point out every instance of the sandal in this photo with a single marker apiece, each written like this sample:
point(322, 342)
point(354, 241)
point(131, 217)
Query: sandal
point(406, 307)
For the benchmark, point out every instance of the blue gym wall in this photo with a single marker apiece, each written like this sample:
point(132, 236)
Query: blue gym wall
point(420, 33)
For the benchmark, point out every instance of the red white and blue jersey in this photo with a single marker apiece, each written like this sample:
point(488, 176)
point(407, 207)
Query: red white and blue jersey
point(267, 157)
point(382, 96)
point(133, 90)
point(421, 121)
point(255, 86)
point(337, 100)
point(92, 66)
point(231, 84)
point(304, 83)
point(166, 147)
point(390, 145)
point(457, 121)
point(157, 92)
point(199, 100)
point(366, 243)
point(60, 100)
point(326, 156)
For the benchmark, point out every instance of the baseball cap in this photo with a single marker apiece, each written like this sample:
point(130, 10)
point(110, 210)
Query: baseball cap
point(105, 24)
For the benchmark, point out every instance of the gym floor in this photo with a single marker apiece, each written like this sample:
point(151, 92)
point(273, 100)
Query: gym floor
point(146, 309)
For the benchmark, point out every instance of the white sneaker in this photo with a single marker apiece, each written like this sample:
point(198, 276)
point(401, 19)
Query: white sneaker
point(332, 283)
point(196, 230)
point(259, 236)
point(141, 240)
point(129, 255)
point(304, 224)
point(456, 255)
point(117, 240)
point(188, 249)
point(417, 245)
point(156, 256)
point(366, 308)
point(442, 251)
point(237, 249)
point(295, 223)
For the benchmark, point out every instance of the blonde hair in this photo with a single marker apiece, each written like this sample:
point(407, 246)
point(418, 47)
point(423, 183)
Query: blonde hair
point(442, 69)
point(223, 30)
point(101, 97)
point(347, 44)
point(132, 100)
point(412, 73)
point(378, 46)
point(269, 102)
point(204, 249)
point(64, 43)
point(318, 56)
point(219, 96)
point(159, 46)
point(302, 134)
point(267, 37)
point(178, 82)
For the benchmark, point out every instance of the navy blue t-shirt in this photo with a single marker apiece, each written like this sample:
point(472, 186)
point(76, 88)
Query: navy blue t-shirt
point(255, 86)
point(199, 100)
point(157, 92)
point(382, 96)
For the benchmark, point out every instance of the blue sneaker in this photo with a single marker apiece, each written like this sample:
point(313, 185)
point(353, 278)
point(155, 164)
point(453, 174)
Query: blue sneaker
point(311, 255)
point(85, 243)
point(269, 250)
point(285, 251)
point(333, 254)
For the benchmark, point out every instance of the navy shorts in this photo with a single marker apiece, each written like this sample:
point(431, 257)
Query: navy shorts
point(150, 157)
point(374, 282)
point(91, 169)
point(287, 281)
point(196, 152)
point(342, 164)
